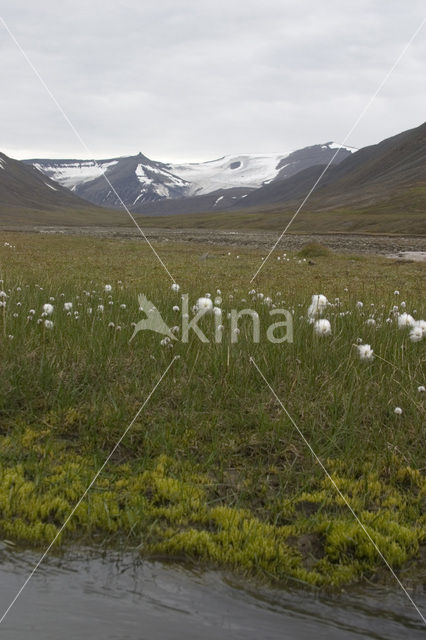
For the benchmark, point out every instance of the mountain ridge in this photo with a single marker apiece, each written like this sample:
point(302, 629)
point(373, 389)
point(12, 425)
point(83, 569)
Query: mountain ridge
point(138, 180)
point(22, 185)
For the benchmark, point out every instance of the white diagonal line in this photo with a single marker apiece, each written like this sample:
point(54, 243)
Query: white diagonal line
point(339, 492)
point(351, 130)
point(95, 477)
point(83, 144)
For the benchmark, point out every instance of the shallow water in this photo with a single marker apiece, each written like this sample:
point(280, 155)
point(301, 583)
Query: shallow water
point(118, 596)
point(416, 256)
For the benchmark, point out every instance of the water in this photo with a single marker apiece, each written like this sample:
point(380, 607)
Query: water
point(118, 596)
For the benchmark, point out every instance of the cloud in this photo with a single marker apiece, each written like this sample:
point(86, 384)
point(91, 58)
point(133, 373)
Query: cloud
point(200, 79)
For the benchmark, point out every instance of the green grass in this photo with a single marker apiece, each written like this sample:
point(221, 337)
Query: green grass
point(398, 213)
point(212, 469)
point(313, 250)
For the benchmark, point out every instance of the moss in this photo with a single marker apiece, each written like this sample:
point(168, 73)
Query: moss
point(167, 510)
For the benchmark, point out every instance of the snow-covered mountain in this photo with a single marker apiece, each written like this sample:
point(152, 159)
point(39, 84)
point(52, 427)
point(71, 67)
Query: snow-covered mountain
point(137, 180)
point(132, 179)
point(249, 170)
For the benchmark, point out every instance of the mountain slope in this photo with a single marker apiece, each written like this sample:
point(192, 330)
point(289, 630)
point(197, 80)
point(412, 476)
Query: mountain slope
point(291, 177)
point(368, 176)
point(25, 186)
point(134, 178)
point(141, 182)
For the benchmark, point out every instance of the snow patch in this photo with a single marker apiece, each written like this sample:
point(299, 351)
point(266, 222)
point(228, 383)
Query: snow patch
point(142, 176)
point(223, 173)
point(335, 145)
point(72, 174)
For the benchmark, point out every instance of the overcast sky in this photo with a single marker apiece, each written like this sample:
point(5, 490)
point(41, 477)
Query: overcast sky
point(198, 79)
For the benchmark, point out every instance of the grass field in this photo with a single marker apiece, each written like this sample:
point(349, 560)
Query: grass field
point(402, 213)
point(212, 469)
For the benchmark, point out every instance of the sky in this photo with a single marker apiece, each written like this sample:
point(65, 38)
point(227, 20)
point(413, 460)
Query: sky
point(193, 80)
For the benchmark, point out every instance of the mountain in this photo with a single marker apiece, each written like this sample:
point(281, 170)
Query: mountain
point(28, 197)
point(25, 186)
point(378, 189)
point(373, 174)
point(134, 178)
point(144, 184)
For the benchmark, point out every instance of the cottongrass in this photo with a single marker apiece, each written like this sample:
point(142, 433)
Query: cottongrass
point(365, 352)
point(422, 325)
point(405, 320)
point(416, 334)
point(318, 305)
point(322, 327)
point(204, 304)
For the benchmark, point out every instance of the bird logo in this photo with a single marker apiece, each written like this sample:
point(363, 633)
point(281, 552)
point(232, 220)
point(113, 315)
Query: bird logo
point(153, 320)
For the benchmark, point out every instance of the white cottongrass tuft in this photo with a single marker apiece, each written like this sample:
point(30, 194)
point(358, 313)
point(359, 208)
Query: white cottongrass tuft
point(317, 306)
point(421, 389)
point(175, 287)
point(108, 288)
point(48, 324)
point(365, 352)
point(322, 327)
point(422, 325)
point(405, 320)
point(176, 308)
point(67, 306)
point(398, 411)
point(48, 308)
point(204, 304)
point(359, 304)
point(416, 334)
